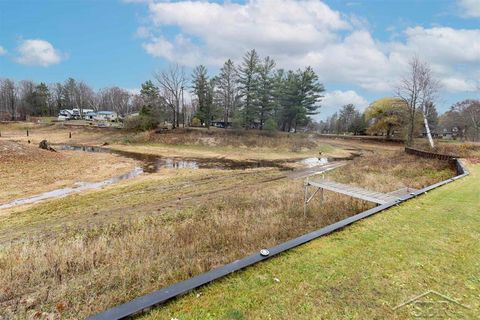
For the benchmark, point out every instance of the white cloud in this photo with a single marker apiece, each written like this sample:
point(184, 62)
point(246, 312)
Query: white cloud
point(337, 99)
point(307, 32)
point(333, 101)
point(2, 51)
point(454, 54)
point(180, 50)
point(37, 52)
point(453, 84)
point(143, 32)
point(470, 8)
point(287, 28)
point(442, 45)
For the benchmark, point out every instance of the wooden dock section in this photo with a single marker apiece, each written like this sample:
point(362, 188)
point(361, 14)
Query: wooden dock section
point(355, 192)
point(307, 172)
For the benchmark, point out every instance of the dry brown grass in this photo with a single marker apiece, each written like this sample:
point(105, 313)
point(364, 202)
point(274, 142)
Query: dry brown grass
point(57, 133)
point(232, 138)
point(390, 171)
point(87, 270)
point(455, 148)
point(199, 142)
point(28, 170)
point(230, 144)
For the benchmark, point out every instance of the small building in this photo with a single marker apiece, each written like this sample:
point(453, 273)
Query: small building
point(221, 123)
point(73, 114)
point(90, 115)
point(450, 134)
point(106, 116)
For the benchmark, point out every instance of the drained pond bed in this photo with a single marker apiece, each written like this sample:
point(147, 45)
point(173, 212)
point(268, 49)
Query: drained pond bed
point(110, 246)
point(154, 163)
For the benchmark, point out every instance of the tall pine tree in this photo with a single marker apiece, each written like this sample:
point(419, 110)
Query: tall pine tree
point(248, 86)
point(202, 90)
point(226, 90)
point(265, 90)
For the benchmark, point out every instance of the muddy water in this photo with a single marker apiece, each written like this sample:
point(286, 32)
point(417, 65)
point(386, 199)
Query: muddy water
point(78, 187)
point(154, 163)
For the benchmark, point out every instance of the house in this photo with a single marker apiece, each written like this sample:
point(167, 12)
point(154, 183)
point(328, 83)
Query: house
point(221, 123)
point(106, 116)
point(90, 115)
point(434, 134)
point(75, 113)
point(450, 134)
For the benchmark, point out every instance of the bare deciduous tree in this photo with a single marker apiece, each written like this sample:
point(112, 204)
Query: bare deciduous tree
point(25, 93)
point(85, 96)
point(467, 118)
point(226, 90)
point(171, 83)
point(417, 89)
point(9, 98)
point(116, 99)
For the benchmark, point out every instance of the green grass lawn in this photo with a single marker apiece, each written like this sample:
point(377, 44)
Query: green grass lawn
point(363, 271)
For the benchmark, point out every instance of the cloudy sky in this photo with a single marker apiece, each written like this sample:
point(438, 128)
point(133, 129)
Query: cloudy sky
point(358, 48)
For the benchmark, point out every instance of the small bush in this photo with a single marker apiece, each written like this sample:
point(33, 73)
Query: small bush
point(270, 125)
point(237, 120)
point(146, 120)
point(141, 123)
point(196, 122)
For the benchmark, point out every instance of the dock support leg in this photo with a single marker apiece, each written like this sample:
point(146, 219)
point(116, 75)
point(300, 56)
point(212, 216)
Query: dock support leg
point(305, 201)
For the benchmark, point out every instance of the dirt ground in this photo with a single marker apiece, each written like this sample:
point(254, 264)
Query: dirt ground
point(27, 170)
point(198, 143)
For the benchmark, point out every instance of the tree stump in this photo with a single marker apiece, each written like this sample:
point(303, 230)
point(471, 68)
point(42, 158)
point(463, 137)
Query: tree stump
point(44, 145)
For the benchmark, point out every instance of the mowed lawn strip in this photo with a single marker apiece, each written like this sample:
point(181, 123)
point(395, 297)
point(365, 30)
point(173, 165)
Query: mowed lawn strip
point(362, 271)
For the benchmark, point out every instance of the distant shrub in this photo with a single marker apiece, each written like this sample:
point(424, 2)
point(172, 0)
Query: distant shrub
point(196, 122)
point(146, 120)
point(270, 125)
point(237, 120)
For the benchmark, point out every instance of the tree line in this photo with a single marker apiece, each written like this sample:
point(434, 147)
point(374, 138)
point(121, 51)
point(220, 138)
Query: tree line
point(253, 94)
point(389, 117)
point(27, 98)
point(410, 112)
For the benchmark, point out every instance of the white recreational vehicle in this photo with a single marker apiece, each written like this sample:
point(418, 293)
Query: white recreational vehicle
point(106, 116)
point(70, 114)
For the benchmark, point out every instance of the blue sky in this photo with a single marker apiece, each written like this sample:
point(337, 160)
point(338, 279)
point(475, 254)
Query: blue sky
point(358, 48)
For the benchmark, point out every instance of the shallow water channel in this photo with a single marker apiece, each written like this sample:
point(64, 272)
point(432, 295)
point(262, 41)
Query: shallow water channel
point(154, 163)
point(149, 164)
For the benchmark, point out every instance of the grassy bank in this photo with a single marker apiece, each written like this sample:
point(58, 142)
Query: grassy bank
point(363, 271)
point(453, 147)
point(390, 171)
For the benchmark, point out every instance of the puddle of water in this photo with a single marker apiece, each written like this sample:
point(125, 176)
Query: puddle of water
point(153, 163)
point(78, 187)
point(313, 162)
point(150, 164)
